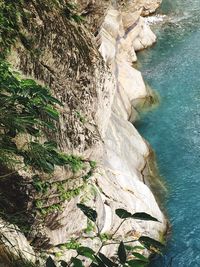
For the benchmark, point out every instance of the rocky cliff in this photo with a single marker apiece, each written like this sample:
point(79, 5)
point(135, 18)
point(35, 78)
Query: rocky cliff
point(84, 54)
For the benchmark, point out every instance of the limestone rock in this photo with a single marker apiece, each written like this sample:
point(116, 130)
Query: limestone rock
point(94, 11)
point(13, 245)
point(147, 7)
point(102, 89)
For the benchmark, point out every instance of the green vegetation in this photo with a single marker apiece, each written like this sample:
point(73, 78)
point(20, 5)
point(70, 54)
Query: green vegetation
point(22, 263)
point(14, 18)
point(104, 237)
point(93, 164)
point(47, 210)
point(59, 188)
point(63, 195)
point(76, 163)
point(81, 117)
point(9, 28)
point(23, 107)
point(29, 108)
point(70, 11)
point(72, 244)
point(90, 227)
point(39, 185)
point(28, 111)
point(39, 204)
point(89, 174)
point(68, 194)
point(127, 255)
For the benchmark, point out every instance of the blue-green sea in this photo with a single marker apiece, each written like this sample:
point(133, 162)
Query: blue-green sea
point(172, 68)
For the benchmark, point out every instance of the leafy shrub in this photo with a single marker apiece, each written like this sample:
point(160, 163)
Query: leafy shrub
point(23, 106)
point(127, 255)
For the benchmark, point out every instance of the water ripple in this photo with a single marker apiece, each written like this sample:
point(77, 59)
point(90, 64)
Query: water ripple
point(173, 129)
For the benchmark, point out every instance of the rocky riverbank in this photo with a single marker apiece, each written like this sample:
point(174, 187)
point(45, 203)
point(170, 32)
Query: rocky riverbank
point(99, 94)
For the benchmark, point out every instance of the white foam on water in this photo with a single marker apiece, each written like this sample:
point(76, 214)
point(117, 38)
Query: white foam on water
point(155, 19)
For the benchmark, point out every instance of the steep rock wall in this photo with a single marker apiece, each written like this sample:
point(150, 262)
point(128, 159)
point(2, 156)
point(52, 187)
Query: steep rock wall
point(95, 10)
point(101, 92)
point(126, 152)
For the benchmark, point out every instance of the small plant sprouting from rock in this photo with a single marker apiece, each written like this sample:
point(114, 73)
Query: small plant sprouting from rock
point(40, 186)
point(93, 165)
point(127, 255)
point(90, 227)
point(70, 12)
point(80, 117)
point(72, 244)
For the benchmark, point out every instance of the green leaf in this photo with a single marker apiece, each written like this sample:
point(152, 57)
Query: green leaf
point(130, 248)
point(136, 263)
point(123, 214)
point(28, 82)
point(143, 216)
point(53, 113)
point(90, 213)
point(105, 260)
point(122, 253)
point(87, 252)
point(63, 264)
point(50, 262)
point(77, 263)
point(150, 242)
point(33, 131)
point(50, 144)
point(55, 100)
point(48, 124)
point(99, 262)
point(140, 256)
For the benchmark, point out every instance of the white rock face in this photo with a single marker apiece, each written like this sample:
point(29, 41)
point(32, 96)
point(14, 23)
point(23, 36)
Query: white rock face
point(118, 181)
point(125, 151)
point(147, 6)
point(13, 245)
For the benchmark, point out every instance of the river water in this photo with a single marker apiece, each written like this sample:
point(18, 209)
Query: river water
point(172, 68)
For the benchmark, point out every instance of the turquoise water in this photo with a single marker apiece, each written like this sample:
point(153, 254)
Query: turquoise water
point(172, 68)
